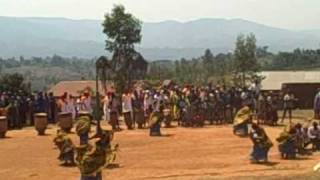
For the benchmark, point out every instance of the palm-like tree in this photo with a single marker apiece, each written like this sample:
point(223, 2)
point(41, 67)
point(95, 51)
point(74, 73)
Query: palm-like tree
point(103, 71)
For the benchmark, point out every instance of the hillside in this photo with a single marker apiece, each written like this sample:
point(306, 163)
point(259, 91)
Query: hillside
point(163, 40)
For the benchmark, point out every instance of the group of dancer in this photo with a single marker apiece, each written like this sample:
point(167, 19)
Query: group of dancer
point(152, 108)
point(90, 157)
point(294, 140)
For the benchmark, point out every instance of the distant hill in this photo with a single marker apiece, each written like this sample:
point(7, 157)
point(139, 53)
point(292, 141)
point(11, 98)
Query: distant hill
point(163, 40)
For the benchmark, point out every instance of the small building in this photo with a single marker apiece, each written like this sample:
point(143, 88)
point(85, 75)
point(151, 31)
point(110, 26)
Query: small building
point(76, 88)
point(303, 84)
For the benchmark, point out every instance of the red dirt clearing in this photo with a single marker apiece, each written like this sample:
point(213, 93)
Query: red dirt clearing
point(184, 153)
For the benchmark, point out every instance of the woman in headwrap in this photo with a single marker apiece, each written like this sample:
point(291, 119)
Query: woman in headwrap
point(138, 112)
point(241, 121)
point(155, 122)
point(83, 127)
point(316, 105)
point(92, 159)
point(127, 109)
point(114, 106)
point(66, 148)
point(261, 144)
point(287, 143)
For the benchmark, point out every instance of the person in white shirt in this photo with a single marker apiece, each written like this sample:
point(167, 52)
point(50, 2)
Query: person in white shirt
point(127, 109)
point(86, 103)
point(106, 109)
point(314, 136)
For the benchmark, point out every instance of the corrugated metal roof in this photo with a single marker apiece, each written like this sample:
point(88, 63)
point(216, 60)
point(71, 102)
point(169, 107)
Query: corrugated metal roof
point(274, 79)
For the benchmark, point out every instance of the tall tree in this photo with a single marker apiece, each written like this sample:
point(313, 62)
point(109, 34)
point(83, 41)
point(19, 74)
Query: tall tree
point(123, 31)
point(208, 64)
point(245, 60)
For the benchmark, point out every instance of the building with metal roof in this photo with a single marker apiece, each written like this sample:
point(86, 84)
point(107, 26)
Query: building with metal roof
point(274, 80)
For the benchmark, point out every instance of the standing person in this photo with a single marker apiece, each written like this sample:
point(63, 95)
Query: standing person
point(272, 110)
point(261, 144)
point(211, 106)
point(147, 104)
point(67, 104)
point(288, 105)
point(316, 105)
point(72, 106)
point(127, 109)
point(41, 104)
point(261, 108)
point(220, 108)
point(32, 108)
point(23, 108)
point(237, 102)
point(86, 103)
point(52, 108)
point(12, 113)
point(138, 115)
point(174, 104)
point(62, 102)
point(114, 112)
point(106, 108)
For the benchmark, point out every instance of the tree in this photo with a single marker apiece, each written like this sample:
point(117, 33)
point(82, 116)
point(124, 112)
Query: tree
point(208, 64)
point(12, 82)
point(123, 31)
point(245, 60)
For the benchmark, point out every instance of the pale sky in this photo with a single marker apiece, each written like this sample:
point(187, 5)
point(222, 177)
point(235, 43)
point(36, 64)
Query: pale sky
point(290, 14)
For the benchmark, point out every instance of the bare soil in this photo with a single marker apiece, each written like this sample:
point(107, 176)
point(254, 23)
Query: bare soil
point(211, 152)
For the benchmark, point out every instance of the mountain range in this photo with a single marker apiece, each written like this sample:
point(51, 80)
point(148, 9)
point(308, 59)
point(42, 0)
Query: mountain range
point(171, 40)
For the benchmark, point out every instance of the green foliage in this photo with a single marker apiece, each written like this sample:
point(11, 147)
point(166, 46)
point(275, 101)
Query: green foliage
point(123, 30)
point(299, 59)
point(208, 63)
point(42, 73)
point(127, 64)
point(245, 60)
point(12, 82)
point(199, 71)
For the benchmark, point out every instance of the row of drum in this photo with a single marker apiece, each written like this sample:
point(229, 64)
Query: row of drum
point(40, 123)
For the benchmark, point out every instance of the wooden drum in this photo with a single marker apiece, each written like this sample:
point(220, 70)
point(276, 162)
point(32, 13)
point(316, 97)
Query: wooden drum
point(3, 126)
point(41, 122)
point(65, 121)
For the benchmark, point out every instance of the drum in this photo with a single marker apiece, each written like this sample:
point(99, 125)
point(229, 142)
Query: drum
point(65, 121)
point(3, 126)
point(40, 122)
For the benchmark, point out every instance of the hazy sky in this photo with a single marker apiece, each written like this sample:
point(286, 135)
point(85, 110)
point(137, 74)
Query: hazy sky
point(292, 14)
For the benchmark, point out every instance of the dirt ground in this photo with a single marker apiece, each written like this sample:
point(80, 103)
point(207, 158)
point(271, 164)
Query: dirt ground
point(211, 152)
